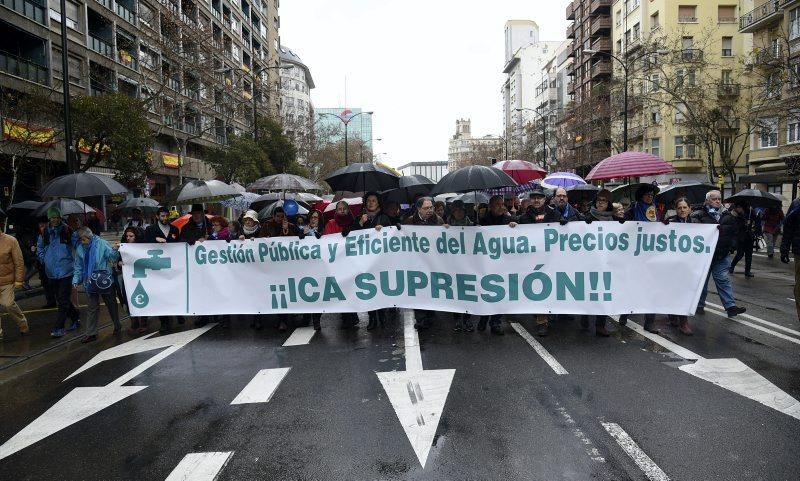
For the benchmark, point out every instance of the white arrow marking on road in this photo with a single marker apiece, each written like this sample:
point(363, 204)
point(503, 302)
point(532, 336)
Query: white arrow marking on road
point(650, 469)
point(200, 466)
point(78, 404)
point(82, 402)
point(417, 396)
point(144, 344)
point(300, 336)
point(731, 374)
point(261, 388)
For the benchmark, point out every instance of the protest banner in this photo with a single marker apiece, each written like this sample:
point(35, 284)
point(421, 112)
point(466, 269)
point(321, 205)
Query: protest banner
point(577, 268)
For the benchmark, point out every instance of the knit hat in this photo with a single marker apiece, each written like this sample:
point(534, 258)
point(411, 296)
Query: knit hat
point(251, 214)
point(53, 212)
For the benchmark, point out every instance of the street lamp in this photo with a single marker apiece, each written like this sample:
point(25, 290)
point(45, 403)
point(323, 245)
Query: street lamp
point(345, 121)
point(625, 87)
point(543, 119)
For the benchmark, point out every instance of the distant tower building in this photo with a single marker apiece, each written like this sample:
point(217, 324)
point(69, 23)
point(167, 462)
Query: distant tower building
point(297, 111)
point(465, 150)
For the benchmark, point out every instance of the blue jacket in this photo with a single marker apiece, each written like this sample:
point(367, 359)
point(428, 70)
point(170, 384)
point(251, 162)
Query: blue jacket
point(56, 255)
point(104, 257)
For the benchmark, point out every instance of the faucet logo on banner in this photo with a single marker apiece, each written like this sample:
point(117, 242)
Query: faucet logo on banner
point(139, 297)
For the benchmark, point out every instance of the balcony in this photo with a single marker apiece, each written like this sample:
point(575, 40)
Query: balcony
point(601, 69)
point(106, 3)
point(101, 46)
point(728, 90)
point(570, 87)
point(126, 14)
point(126, 59)
point(571, 31)
point(26, 8)
point(772, 56)
point(570, 11)
point(24, 68)
point(688, 55)
point(728, 124)
point(599, 6)
point(173, 84)
point(602, 44)
point(600, 25)
point(760, 17)
point(171, 6)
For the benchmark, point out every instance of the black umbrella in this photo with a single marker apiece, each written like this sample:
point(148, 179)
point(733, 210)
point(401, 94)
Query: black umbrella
point(145, 204)
point(66, 206)
point(362, 177)
point(629, 191)
point(199, 191)
point(582, 193)
point(266, 212)
point(26, 207)
point(694, 191)
point(82, 184)
point(473, 177)
point(471, 198)
point(283, 182)
point(755, 198)
point(409, 187)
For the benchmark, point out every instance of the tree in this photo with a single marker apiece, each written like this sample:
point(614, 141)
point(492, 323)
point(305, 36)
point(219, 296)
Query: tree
point(279, 148)
point(112, 131)
point(242, 161)
point(28, 120)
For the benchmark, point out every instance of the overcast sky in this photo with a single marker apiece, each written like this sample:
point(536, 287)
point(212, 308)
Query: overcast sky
point(419, 65)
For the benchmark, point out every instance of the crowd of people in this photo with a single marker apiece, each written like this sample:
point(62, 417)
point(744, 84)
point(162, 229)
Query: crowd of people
point(68, 255)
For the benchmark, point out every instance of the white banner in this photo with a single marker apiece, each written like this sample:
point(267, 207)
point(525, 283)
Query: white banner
point(578, 268)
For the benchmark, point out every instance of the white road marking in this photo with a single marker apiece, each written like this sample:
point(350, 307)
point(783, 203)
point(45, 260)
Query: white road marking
point(734, 375)
point(417, 396)
point(756, 319)
point(650, 469)
point(791, 299)
point(540, 350)
point(78, 404)
point(200, 466)
point(591, 450)
point(754, 326)
point(791, 258)
point(261, 388)
point(300, 336)
point(662, 341)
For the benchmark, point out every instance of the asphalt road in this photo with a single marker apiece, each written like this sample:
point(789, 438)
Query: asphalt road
point(618, 408)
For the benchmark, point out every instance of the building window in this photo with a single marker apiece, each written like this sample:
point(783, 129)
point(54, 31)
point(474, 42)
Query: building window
point(726, 14)
point(72, 14)
point(793, 127)
point(684, 147)
point(727, 46)
point(636, 32)
point(654, 21)
point(654, 82)
point(655, 117)
point(685, 77)
point(75, 65)
point(794, 23)
point(725, 143)
point(772, 86)
point(687, 13)
point(726, 78)
point(655, 147)
point(680, 113)
point(768, 136)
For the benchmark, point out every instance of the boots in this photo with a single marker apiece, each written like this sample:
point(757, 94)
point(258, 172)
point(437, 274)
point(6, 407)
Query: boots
point(649, 322)
point(482, 323)
point(683, 326)
point(316, 319)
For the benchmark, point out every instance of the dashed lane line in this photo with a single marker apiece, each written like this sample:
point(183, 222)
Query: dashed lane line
point(200, 466)
point(300, 336)
point(650, 468)
point(661, 341)
point(261, 388)
point(540, 350)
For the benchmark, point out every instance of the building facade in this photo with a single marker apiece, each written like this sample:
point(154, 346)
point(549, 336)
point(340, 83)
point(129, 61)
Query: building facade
point(464, 149)
point(297, 110)
point(774, 156)
point(433, 170)
point(550, 100)
point(204, 66)
point(330, 126)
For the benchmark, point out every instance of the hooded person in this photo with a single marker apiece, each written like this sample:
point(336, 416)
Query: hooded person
point(250, 225)
point(95, 255)
point(54, 249)
point(161, 231)
point(644, 209)
point(371, 214)
point(198, 228)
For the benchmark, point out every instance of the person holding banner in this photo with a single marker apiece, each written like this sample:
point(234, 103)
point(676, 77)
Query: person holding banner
point(93, 259)
point(279, 225)
point(219, 228)
point(712, 213)
point(314, 224)
point(565, 211)
point(197, 229)
point(425, 215)
point(131, 235)
point(163, 232)
point(600, 211)
point(496, 215)
point(372, 217)
point(458, 217)
point(342, 223)
point(683, 211)
point(250, 225)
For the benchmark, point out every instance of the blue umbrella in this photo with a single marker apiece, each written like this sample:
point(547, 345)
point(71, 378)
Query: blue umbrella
point(241, 201)
point(562, 179)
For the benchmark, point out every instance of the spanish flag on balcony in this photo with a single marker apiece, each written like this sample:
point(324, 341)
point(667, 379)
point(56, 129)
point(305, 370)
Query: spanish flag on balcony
point(86, 148)
point(18, 132)
point(170, 161)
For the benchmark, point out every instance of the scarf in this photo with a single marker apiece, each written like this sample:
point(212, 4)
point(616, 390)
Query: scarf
point(715, 213)
point(344, 221)
point(566, 213)
point(644, 212)
point(371, 215)
point(602, 215)
point(252, 230)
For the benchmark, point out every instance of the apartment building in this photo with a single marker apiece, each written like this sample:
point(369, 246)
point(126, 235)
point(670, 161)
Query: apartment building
point(550, 99)
point(464, 149)
point(668, 48)
point(297, 111)
point(207, 65)
point(774, 162)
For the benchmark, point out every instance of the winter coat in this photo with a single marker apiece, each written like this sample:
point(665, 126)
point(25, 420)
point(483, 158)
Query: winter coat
point(466, 221)
point(104, 258)
point(630, 214)
point(223, 234)
point(491, 219)
point(191, 232)
point(727, 230)
point(380, 219)
point(791, 230)
point(543, 215)
point(274, 229)
point(772, 221)
point(153, 231)
point(677, 220)
point(54, 249)
point(601, 215)
point(416, 220)
point(12, 267)
point(570, 214)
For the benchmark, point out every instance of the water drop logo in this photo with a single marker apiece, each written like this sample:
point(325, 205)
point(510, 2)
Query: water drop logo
point(139, 298)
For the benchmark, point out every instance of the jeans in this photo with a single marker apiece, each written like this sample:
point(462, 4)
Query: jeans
point(93, 306)
point(719, 270)
point(63, 292)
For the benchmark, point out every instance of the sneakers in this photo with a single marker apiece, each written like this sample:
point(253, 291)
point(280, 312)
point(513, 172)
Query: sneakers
point(57, 333)
point(75, 324)
point(735, 311)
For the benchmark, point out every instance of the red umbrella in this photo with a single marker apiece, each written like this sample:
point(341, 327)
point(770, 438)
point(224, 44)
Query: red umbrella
point(182, 220)
point(629, 164)
point(521, 170)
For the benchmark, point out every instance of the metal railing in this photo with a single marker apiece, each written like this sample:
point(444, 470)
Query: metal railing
point(24, 68)
point(759, 13)
point(101, 46)
point(27, 8)
point(126, 14)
